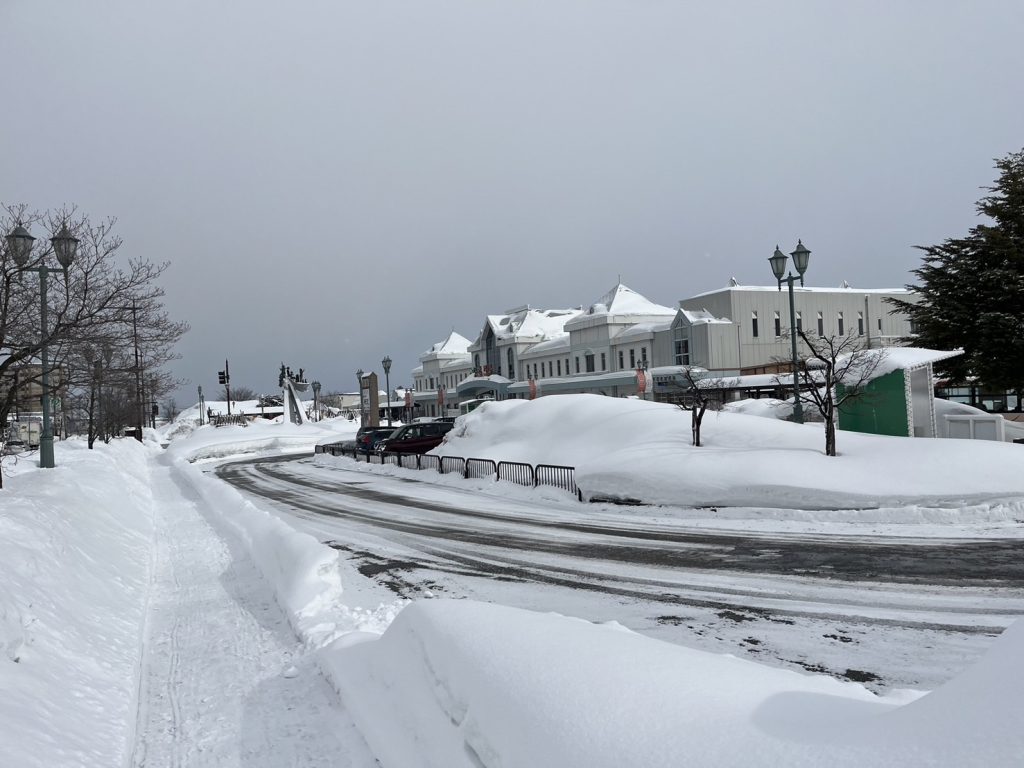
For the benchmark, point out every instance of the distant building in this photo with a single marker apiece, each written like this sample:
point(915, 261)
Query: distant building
point(624, 344)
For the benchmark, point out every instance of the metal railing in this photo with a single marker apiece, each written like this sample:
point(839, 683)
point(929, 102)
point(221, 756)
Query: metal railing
point(478, 468)
point(517, 472)
point(520, 473)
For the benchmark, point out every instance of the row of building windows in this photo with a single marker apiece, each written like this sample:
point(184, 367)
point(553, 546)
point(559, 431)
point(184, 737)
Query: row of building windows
point(840, 324)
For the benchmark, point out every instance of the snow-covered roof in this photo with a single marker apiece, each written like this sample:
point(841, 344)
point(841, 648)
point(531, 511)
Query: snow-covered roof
point(546, 347)
point(455, 344)
point(624, 301)
point(906, 358)
point(529, 323)
point(641, 329)
point(844, 288)
point(702, 317)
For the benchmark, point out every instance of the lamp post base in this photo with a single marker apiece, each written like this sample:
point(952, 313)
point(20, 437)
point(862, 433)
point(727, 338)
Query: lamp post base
point(46, 453)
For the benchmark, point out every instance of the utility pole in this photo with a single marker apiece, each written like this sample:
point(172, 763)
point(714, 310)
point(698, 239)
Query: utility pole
point(138, 374)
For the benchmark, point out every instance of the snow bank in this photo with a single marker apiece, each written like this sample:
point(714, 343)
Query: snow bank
point(302, 573)
point(624, 448)
point(267, 438)
point(75, 547)
point(458, 683)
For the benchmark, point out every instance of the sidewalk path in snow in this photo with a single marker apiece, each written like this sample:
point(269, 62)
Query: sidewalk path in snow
point(224, 681)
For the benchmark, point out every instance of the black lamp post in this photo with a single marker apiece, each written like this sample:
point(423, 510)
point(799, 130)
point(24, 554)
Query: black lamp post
point(778, 261)
point(64, 246)
point(386, 362)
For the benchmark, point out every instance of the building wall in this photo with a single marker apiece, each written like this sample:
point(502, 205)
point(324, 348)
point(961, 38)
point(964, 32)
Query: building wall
point(881, 411)
point(862, 314)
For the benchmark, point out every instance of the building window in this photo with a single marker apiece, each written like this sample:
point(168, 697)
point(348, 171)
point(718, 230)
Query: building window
point(643, 354)
point(753, 323)
point(879, 323)
point(913, 326)
point(621, 363)
point(577, 363)
point(604, 362)
point(682, 352)
point(860, 323)
point(839, 323)
point(778, 325)
point(511, 364)
point(589, 361)
point(821, 325)
point(551, 369)
point(632, 358)
point(799, 322)
point(431, 382)
point(559, 367)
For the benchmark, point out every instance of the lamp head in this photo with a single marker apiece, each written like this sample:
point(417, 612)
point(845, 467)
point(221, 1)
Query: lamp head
point(65, 245)
point(19, 241)
point(800, 256)
point(386, 362)
point(778, 262)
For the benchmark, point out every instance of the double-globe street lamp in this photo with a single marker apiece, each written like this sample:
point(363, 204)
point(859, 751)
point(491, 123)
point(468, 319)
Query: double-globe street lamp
point(778, 261)
point(64, 246)
point(386, 362)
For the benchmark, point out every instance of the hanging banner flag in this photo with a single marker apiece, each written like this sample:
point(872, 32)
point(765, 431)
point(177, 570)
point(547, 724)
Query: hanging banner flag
point(440, 397)
point(408, 399)
point(533, 389)
point(641, 381)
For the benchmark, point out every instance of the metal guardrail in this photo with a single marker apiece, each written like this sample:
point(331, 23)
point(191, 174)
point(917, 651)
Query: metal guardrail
point(450, 464)
point(477, 468)
point(558, 476)
point(555, 475)
point(517, 472)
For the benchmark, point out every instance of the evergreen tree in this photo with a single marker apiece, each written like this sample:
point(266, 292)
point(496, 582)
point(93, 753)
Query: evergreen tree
point(972, 289)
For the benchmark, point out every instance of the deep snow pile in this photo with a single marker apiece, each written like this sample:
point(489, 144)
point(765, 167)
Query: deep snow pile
point(625, 448)
point(448, 683)
point(75, 546)
point(457, 684)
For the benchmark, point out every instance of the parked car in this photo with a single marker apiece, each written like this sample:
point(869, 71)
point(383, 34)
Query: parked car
point(369, 438)
point(417, 438)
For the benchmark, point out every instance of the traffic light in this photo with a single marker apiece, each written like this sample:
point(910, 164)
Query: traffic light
point(222, 377)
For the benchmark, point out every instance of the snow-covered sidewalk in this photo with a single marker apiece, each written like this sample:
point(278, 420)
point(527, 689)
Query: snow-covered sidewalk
point(224, 680)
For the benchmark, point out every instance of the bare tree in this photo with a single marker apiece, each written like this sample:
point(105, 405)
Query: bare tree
point(171, 409)
point(696, 393)
point(239, 392)
point(99, 301)
point(835, 361)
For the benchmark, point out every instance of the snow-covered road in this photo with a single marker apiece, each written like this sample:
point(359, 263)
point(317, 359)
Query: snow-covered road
point(224, 681)
point(662, 579)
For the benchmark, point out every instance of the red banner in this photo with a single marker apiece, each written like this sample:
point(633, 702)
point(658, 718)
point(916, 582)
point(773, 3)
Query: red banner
point(641, 381)
point(533, 389)
point(408, 399)
point(440, 397)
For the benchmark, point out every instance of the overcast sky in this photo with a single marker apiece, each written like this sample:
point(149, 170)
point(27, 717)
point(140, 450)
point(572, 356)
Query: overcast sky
point(336, 181)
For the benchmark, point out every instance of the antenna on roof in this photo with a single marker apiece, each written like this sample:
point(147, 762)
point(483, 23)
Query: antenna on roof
point(733, 282)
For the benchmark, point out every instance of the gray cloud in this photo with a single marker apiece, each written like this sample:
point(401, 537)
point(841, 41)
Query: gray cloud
point(335, 181)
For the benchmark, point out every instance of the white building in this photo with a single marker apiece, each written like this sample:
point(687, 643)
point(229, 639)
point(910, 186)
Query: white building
point(624, 344)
